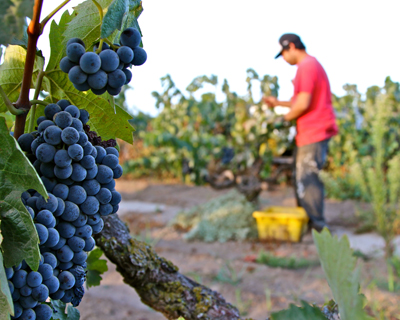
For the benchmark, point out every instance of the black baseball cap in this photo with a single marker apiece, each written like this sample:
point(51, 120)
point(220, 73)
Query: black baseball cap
point(287, 38)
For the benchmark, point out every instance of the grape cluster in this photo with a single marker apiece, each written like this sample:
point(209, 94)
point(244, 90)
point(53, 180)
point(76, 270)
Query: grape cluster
point(106, 71)
point(227, 155)
point(79, 179)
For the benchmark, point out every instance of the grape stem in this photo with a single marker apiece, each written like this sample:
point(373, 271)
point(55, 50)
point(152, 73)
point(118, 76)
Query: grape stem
point(35, 100)
point(100, 46)
point(113, 46)
point(101, 21)
point(51, 14)
point(9, 104)
point(43, 103)
point(100, 9)
point(34, 31)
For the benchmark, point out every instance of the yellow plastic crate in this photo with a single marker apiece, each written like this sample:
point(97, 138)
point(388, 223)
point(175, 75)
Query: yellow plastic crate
point(281, 223)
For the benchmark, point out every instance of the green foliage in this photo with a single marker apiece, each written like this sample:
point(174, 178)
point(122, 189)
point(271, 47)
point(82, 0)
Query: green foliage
point(12, 70)
point(284, 262)
point(379, 174)
point(87, 23)
point(395, 262)
point(103, 119)
point(359, 120)
point(339, 265)
point(20, 240)
point(365, 156)
point(228, 274)
point(88, 27)
point(95, 268)
point(228, 217)
point(190, 134)
point(9, 119)
point(140, 122)
point(6, 301)
point(306, 312)
point(113, 19)
point(57, 39)
point(70, 314)
point(12, 19)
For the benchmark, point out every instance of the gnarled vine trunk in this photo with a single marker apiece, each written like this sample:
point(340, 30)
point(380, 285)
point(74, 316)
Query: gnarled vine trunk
point(157, 280)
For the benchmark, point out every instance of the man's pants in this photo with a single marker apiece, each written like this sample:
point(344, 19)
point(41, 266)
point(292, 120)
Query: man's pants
point(309, 189)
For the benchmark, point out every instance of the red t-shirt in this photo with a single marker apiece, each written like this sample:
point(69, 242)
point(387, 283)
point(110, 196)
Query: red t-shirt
point(318, 122)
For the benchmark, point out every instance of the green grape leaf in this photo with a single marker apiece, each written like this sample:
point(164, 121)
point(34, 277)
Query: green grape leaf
point(10, 118)
point(58, 50)
point(86, 25)
point(112, 101)
point(59, 306)
point(12, 71)
point(95, 268)
point(339, 265)
point(6, 302)
point(114, 17)
point(103, 119)
point(73, 313)
point(16, 176)
point(135, 10)
point(306, 312)
point(133, 4)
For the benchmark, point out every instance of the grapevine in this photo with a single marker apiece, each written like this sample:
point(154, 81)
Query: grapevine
point(79, 179)
point(107, 71)
point(76, 167)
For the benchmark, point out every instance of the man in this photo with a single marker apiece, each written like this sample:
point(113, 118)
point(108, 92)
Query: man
point(311, 107)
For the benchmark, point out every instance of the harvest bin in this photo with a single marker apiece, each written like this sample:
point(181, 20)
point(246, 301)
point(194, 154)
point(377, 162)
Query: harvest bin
point(281, 223)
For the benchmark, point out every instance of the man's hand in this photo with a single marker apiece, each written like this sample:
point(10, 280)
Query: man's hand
point(270, 101)
point(300, 106)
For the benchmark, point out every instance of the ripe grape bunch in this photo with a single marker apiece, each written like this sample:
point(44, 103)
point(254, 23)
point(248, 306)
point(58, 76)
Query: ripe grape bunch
point(106, 71)
point(79, 179)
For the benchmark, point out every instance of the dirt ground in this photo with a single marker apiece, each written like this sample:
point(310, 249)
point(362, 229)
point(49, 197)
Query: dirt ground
point(229, 268)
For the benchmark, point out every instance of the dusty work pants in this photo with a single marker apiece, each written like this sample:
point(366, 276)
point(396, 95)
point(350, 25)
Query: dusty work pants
point(309, 189)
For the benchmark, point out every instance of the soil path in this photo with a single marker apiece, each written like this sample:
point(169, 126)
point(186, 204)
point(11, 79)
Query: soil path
point(229, 268)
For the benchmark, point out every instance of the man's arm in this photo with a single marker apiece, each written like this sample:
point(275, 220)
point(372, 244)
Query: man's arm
point(273, 102)
point(297, 108)
point(303, 100)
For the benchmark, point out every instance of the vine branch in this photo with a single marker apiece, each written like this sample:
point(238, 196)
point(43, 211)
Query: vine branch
point(9, 104)
point(35, 100)
point(51, 14)
point(34, 31)
point(157, 281)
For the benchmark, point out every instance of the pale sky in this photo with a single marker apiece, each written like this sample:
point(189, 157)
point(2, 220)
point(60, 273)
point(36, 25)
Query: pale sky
point(356, 41)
